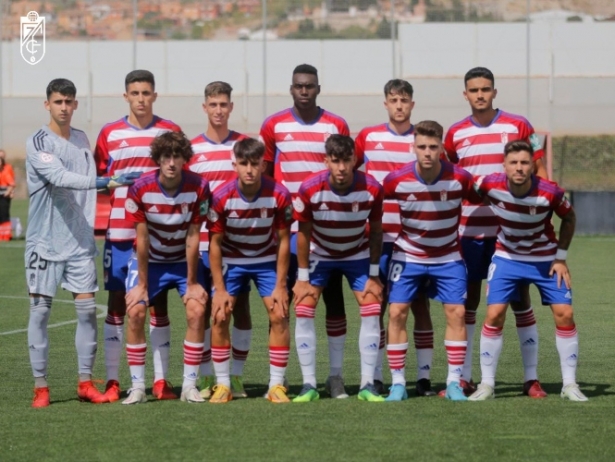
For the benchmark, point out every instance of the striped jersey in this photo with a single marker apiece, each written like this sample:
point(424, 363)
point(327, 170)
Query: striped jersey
point(429, 212)
point(249, 227)
point(383, 151)
point(61, 177)
point(214, 162)
point(124, 148)
point(339, 222)
point(168, 217)
point(480, 150)
point(526, 232)
point(296, 148)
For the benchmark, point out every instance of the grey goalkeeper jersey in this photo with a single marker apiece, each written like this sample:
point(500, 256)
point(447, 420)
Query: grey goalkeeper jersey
point(61, 184)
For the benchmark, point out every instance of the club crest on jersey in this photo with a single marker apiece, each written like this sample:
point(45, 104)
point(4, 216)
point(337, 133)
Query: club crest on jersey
point(532, 210)
point(298, 205)
point(443, 195)
point(504, 138)
point(264, 212)
point(355, 207)
point(131, 206)
point(184, 208)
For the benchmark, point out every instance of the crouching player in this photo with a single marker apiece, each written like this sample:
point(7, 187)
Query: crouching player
point(429, 192)
point(167, 206)
point(527, 251)
point(333, 208)
point(249, 225)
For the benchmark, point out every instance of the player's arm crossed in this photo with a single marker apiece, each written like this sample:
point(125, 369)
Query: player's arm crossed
point(138, 294)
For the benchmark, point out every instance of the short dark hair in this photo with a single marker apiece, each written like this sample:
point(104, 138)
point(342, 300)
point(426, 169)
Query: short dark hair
point(339, 146)
point(170, 143)
point(517, 146)
point(63, 86)
point(249, 149)
point(478, 72)
point(429, 128)
point(398, 86)
point(305, 69)
point(139, 75)
point(218, 88)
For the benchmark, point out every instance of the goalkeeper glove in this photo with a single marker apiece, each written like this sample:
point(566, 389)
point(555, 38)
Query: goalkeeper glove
point(106, 183)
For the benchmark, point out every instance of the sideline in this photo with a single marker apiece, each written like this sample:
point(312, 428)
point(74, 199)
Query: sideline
point(101, 314)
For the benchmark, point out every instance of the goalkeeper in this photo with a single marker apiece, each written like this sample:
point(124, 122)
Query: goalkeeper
point(60, 247)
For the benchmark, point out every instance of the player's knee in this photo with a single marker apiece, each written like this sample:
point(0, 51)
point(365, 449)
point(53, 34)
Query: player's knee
point(455, 313)
point(496, 315)
point(195, 314)
point(564, 315)
point(398, 316)
point(136, 315)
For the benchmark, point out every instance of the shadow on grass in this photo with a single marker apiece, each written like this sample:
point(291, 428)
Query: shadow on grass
point(554, 388)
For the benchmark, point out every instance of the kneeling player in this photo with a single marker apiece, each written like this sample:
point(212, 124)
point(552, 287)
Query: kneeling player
point(429, 192)
point(333, 208)
point(167, 206)
point(527, 251)
point(249, 224)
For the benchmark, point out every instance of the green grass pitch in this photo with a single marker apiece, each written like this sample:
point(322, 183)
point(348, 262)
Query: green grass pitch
point(511, 427)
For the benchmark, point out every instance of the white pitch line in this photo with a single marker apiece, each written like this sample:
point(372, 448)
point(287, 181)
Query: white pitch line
point(101, 314)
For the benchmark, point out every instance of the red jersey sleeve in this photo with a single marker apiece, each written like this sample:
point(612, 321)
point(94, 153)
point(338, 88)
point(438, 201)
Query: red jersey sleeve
point(284, 211)
point(449, 153)
point(134, 206)
point(101, 154)
point(201, 205)
point(359, 149)
point(388, 187)
point(215, 216)
point(561, 205)
point(301, 206)
point(344, 130)
point(531, 137)
point(377, 211)
point(267, 137)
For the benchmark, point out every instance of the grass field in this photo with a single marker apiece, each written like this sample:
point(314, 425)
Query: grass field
point(511, 427)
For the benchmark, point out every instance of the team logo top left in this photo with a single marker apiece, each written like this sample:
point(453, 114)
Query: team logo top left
point(32, 29)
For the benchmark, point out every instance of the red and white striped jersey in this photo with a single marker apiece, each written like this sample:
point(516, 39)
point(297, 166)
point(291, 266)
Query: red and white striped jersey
point(123, 148)
point(339, 222)
point(383, 151)
point(480, 150)
point(168, 217)
point(526, 232)
point(297, 149)
point(214, 162)
point(430, 213)
point(249, 226)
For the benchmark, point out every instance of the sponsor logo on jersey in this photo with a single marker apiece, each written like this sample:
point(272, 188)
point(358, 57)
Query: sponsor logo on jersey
point(323, 207)
point(298, 204)
point(153, 209)
point(202, 158)
point(124, 144)
point(131, 206)
point(411, 197)
point(233, 214)
point(465, 143)
point(288, 137)
point(379, 146)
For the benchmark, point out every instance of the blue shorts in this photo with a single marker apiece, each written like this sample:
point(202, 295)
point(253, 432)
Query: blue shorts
point(356, 272)
point(207, 274)
point(446, 282)
point(293, 267)
point(477, 255)
point(385, 261)
point(115, 264)
point(238, 277)
point(505, 275)
point(161, 276)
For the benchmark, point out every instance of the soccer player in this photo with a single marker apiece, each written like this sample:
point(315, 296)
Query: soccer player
point(429, 192)
point(527, 251)
point(476, 143)
point(167, 207)
point(383, 149)
point(213, 160)
point(334, 208)
point(60, 247)
point(124, 146)
point(249, 224)
point(295, 148)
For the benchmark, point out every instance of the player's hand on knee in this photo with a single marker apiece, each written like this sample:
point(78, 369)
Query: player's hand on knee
point(560, 268)
point(195, 292)
point(279, 301)
point(221, 306)
point(374, 287)
point(135, 296)
point(302, 290)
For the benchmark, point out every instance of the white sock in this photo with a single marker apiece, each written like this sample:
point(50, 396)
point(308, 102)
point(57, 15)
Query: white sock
point(222, 364)
point(455, 354)
point(336, 327)
point(113, 331)
point(527, 332)
point(136, 363)
point(240, 343)
point(423, 344)
point(491, 341)
point(567, 343)
point(470, 317)
point(305, 340)
point(205, 368)
point(369, 339)
point(38, 341)
point(192, 360)
point(380, 358)
point(86, 335)
point(278, 360)
point(160, 339)
point(396, 354)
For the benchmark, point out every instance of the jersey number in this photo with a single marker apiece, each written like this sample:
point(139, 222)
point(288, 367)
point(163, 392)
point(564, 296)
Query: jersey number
point(490, 271)
point(395, 272)
point(107, 259)
point(34, 259)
